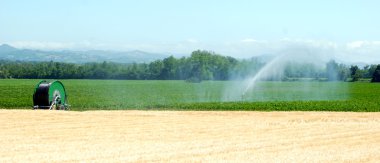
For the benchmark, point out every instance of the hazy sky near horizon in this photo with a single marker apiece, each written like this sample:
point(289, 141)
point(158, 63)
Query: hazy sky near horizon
point(348, 28)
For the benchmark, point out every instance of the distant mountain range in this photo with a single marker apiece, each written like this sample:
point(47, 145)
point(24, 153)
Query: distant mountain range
point(8, 52)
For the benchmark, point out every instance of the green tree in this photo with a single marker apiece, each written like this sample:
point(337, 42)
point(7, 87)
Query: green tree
point(355, 73)
point(371, 70)
point(3, 74)
point(169, 69)
point(365, 72)
point(376, 74)
point(155, 69)
point(197, 65)
point(343, 72)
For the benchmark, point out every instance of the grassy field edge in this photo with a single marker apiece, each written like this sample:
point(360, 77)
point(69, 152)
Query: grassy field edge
point(335, 106)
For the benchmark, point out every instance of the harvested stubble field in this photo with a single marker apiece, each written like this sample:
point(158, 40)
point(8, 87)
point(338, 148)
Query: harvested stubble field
point(59, 136)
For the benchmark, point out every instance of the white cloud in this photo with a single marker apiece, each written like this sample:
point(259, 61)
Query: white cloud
point(361, 51)
point(41, 45)
point(363, 44)
point(192, 40)
point(351, 52)
point(249, 40)
point(354, 44)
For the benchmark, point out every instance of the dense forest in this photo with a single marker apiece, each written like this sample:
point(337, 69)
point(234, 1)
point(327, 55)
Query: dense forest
point(201, 65)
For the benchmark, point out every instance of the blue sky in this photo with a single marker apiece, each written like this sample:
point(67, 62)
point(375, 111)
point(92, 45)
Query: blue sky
point(240, 28)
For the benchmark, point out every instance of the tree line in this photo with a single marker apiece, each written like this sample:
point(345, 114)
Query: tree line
point(200, 65)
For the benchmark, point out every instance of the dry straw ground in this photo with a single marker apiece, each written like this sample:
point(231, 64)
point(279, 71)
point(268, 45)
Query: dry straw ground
point(58, 136)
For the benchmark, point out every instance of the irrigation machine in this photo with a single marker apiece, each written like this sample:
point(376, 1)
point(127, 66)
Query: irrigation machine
point(50, 95)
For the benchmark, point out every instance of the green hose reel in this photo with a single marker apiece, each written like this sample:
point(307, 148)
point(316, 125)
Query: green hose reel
point(50, 95)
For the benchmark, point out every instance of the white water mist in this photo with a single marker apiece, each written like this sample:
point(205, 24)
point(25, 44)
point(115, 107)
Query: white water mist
point(253, 88)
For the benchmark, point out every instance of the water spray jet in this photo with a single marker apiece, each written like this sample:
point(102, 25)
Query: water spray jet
point(274, 70)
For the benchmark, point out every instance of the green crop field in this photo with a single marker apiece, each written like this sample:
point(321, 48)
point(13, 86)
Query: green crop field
point(209, 95)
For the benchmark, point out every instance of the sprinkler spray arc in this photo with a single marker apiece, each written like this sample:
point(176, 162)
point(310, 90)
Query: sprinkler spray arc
point(275, 70)
point(264, 73)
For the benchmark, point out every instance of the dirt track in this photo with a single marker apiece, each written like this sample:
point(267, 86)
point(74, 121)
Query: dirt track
point(27, 135)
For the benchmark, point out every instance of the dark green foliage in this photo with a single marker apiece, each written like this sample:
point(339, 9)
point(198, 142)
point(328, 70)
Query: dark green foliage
point(200, 66)
point(376, 74)
point(340, 106)
point(343, 72)
point(355, 73)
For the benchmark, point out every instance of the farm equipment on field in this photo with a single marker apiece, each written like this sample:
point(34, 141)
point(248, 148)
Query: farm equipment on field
point(50, 95)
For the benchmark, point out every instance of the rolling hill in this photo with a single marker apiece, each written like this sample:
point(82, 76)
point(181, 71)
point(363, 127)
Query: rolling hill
point(8, 52)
